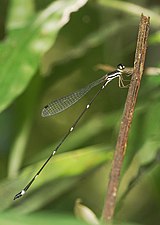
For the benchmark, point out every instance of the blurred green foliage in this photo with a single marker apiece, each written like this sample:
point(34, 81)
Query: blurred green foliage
point(49, 49)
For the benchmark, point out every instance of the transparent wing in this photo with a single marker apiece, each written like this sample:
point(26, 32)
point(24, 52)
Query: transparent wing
point(60, 104)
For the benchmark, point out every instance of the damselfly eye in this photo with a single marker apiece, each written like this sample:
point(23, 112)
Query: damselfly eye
point(120, 67)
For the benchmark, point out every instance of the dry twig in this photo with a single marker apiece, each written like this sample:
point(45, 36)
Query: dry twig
point(126, 119)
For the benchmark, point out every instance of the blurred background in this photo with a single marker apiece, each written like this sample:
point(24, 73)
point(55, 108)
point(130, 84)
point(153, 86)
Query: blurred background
point(49, 49)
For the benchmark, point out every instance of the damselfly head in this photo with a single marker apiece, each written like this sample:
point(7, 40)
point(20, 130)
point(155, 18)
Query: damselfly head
point(120, 67)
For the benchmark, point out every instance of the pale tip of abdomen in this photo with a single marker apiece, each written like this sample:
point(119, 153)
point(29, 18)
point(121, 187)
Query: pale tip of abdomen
point(20, 194)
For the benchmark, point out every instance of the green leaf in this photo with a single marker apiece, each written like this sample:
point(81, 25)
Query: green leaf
point(155, 38)
point(85, 214)
point(138, 186)
point(67, 165)
point(132, 9)
point(22, 51)
point(142, 164)
point(20, 14)
point(42, 218)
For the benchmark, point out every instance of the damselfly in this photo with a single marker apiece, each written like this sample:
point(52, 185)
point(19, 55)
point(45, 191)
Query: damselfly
point(63, 103)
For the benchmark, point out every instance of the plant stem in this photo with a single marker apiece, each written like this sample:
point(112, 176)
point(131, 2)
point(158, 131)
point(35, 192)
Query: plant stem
point(127, 117)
